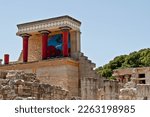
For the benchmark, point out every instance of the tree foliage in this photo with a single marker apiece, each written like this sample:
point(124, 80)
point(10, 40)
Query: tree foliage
point(134, 59)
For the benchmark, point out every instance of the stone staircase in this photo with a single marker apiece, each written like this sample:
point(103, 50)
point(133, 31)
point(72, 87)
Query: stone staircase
point(89, 79)
point(86, 66)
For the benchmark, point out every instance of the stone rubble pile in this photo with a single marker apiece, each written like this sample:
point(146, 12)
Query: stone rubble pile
point(18, 85)
point(128, 92)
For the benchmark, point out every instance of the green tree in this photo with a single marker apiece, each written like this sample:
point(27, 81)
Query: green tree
point(134, 59)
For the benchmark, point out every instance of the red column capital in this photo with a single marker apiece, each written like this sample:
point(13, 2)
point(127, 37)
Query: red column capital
point(25, 35)
point(44, 32)
point(65, 28)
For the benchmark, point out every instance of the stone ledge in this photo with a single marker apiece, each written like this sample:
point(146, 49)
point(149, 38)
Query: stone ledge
point(43, 63)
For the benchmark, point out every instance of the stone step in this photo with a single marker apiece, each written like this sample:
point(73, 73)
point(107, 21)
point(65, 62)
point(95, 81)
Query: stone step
point(88, 63)
point(84, 57)
point(92, 65)
point(81, 54)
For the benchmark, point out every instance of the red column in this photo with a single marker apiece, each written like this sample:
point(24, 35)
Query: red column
point(6, 58)
point(25, 47)
point(65, 43)
point(44, 43)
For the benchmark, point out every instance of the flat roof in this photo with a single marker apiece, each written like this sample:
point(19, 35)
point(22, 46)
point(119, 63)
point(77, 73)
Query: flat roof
point(49, 24)
point(50, 19)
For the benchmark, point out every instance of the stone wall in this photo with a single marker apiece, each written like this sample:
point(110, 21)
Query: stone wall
point(89, 88)
point(34, 48)
point(90, 82)
point(65, 76)
point(131, 91)
point(61, 72)
point(143, 91)
point(20, 85)
point(111, 90)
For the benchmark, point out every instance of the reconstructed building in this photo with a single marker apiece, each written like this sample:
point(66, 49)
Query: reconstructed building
point(52, 50)
point(52, 66)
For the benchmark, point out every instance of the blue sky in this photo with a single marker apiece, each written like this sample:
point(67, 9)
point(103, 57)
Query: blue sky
point(109, 27)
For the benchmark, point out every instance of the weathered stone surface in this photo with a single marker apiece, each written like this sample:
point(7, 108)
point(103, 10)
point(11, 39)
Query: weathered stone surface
point(19, 85)
point(90, 81)
point(143, 91)
point(62, 72)
point(111, 89)
point(129, 92)
point(3, 74)
point(130, 85)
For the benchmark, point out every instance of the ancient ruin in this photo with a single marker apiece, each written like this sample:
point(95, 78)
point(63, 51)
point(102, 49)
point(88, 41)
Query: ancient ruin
point(51, 66)
point(51, 50)
point(19, 85)
point(134, 83)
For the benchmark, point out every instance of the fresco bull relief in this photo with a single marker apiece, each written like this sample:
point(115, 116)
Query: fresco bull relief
point(55, 43)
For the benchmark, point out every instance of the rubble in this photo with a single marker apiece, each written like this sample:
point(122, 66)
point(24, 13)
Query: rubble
point(128, 92)
point(18, 85)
